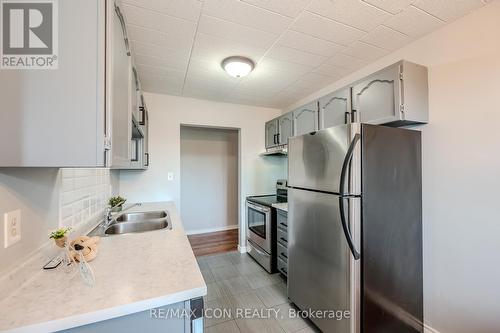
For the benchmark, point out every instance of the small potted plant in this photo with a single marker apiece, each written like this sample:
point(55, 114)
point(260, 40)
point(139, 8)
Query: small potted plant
point(116, 203)
point(60, 236)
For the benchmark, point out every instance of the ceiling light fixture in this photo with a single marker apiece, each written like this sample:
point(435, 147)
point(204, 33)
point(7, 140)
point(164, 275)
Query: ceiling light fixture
point(237, 66)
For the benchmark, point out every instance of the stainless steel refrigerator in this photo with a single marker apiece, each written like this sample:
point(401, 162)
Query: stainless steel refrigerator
point(355, 228)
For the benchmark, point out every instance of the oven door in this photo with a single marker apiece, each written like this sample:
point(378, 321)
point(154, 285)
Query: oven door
point(259, 225)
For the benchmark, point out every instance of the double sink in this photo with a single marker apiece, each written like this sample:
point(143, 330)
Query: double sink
point(133, 222)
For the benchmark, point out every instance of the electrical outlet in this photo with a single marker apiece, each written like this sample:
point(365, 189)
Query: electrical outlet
point(12, 228)
point(170, 176)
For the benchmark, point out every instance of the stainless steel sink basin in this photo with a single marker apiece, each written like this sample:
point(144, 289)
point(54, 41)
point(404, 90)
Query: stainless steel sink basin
point(133, 223)
point(141, 216)
point(128, 227)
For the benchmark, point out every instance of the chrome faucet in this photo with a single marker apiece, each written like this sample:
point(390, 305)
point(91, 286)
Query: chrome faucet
point(109, 218)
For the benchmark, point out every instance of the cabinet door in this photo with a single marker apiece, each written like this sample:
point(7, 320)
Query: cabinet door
point(146, 137)
point(135, 93)
point(376, 99)
point(306, 118)
point(335, 108)
point(55, 118)
point(272, 133)
point(119, 86)
point(285, 123)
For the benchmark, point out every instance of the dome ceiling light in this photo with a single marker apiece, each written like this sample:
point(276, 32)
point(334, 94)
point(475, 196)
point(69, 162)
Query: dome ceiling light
point(237, 66)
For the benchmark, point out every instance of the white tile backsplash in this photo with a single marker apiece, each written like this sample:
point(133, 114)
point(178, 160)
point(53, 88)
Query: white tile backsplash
point(83, 196)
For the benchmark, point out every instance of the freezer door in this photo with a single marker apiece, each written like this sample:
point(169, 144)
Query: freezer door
point(316, 160)
point(323, 274)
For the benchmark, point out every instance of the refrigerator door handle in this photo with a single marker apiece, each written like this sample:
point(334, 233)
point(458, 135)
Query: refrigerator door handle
point(345, 164)
point(347, 231)
point(342, 197)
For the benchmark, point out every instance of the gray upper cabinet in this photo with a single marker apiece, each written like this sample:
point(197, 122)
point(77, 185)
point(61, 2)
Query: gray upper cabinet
point(272, 131)
point(335, 108)
point(285, 123)
point(306, 118)
point(136, 94)
point(56, 118)
point(140, 141)
point(396, 95)
point(119, 85)
point(80, 114)
point(146, 156)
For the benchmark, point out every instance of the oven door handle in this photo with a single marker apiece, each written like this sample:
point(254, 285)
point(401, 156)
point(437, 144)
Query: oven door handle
point(259, 208)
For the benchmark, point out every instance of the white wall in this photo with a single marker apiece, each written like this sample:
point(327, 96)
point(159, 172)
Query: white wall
point(48, 198)
point(461, 170)
point(257, 175)
point(209, 179)
point(36, 193)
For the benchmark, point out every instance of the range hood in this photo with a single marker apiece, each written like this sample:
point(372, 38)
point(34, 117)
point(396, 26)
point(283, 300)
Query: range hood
point(277, 151)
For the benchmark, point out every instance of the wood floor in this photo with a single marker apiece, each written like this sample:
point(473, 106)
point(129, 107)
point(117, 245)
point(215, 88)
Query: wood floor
point(214, 242)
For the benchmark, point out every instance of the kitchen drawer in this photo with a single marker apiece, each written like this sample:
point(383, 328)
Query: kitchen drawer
point(282, 236)
point(282, 252)
point(282, 219)
point(283, 267)
point(261, 256)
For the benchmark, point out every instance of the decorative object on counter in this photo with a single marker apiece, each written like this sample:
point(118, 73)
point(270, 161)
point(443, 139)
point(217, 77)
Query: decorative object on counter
point(83, 267)
point(116, 203)
point(84, 246)
point(60, 236)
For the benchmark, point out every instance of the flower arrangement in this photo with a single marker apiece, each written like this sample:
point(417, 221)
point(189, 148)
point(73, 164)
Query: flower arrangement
point(116, 201)
point(60, 235)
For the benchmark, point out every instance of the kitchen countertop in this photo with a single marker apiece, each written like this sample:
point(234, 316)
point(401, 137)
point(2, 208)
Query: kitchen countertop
point(134, 272)
point(281, 206)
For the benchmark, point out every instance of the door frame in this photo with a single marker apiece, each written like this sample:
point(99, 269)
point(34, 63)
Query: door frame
point(241, 228)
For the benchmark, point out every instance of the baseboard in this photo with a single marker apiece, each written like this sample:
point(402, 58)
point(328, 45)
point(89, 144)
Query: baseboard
point(428, 329)
point(208, 230)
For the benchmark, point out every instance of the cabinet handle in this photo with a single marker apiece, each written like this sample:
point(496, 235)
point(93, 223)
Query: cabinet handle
point(278, 138)
point(142, 122)
point(346, 117)
point(353, 116)
point(274, 139)
point(147, 159)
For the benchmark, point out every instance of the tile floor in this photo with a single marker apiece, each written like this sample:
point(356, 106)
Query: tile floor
point(236, 283)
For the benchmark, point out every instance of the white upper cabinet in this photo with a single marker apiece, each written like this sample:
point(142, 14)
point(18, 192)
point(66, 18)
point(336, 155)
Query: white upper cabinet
point(396, 95)
point(306, 118)
point(335, 108)
point(56, 118)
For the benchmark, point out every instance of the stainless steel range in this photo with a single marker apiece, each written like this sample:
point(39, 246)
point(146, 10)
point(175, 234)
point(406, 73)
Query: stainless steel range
point(261, 226)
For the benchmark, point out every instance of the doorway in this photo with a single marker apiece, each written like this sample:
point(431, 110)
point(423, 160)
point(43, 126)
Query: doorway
point(209, 184)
